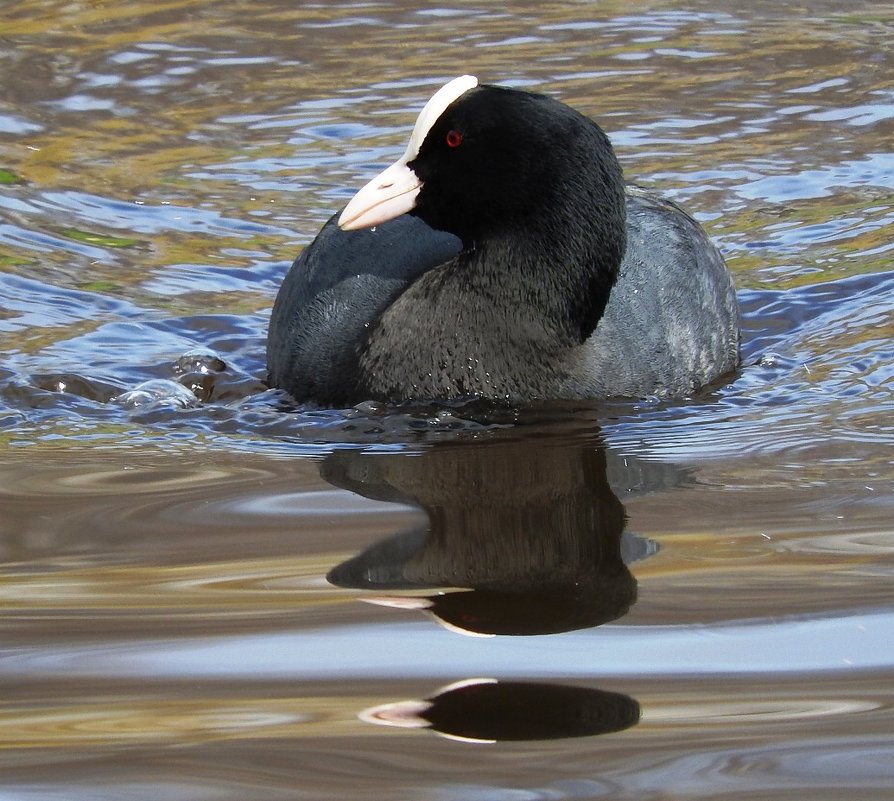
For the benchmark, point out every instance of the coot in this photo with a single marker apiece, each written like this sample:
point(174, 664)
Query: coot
point(502, 257)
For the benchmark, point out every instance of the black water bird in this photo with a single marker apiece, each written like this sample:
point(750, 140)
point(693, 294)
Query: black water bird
point(503, 257)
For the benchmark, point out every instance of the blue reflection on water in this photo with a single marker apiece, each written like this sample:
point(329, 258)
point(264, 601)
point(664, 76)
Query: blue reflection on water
point(847, 642)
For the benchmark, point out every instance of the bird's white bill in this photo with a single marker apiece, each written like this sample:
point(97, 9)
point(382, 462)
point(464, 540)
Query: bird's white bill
point(391, 193)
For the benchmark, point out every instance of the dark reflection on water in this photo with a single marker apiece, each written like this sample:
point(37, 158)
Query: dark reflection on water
point(486, 710)
point(534, 536)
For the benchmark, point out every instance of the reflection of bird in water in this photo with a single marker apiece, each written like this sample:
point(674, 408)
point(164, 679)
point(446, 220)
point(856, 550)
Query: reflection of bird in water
point(485, 710)
point(529, 529)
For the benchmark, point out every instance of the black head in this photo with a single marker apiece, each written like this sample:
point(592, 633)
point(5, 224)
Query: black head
point(500, 159)
point(522, 178)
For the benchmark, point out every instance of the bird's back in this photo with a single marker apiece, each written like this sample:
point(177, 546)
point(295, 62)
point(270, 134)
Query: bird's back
point(671, 323)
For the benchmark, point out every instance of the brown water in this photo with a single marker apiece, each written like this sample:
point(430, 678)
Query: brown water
point(687, 601)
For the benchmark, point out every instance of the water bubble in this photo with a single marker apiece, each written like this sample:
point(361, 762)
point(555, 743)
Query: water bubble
point(158, 391)
point(199, 360)
point(371, 407)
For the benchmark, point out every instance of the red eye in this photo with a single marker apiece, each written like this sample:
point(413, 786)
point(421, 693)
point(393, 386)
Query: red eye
point(454, 138)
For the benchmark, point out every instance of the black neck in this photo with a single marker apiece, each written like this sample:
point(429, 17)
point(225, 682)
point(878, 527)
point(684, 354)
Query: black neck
point(560, 270)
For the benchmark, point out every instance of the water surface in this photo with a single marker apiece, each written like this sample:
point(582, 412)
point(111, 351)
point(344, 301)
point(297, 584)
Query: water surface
point(212, 594)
